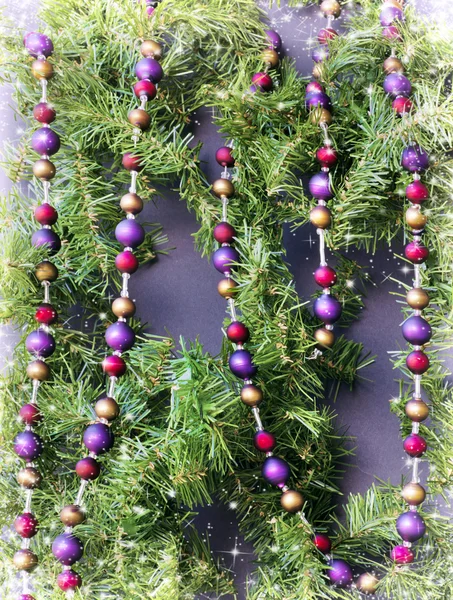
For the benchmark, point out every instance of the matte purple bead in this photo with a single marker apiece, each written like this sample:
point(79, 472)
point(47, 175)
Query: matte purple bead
point(38, 43)
point(389, 14)
point(396, 84)
point(340, 573)
point(327, 308)
point(241, 364)
point(98, 438)
point(275, 471)
point(120, 336)
point(275, 39)
point(223, 258)
point(416, 330)
point(149, 68)
point(320, 53)
point(67, 549)
point(317, 99)
point(415, 159)
point(41, 343)
point(130, 233)
point(47, 238)
point(410, 526)
point(28, 445)
point(319, 186)
point(45, 141)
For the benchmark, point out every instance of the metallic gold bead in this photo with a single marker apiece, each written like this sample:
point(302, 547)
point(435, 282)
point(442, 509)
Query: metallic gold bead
point(324, 337)
point(226, 288)
point(150, 48)
point(367, 583)
point(223, 187)
point(42, 69)
point(270, 57)
point(415, 218)
point(417, 298)
point(394, 3)
point(320, 116)
point(72, 515)
point(131, 203)
point(107, 408)
point(413, 493)
point(123, 307)
point(44, 169)
point(393, 65)
point(46, 271)
point(417, 410)
point(251, 395)
point(25, 560)
point(292, 501)
point(331, 8)
point(321, 216)
point(139, 118)
point(39, 370)
point(29, 478)
point(317, 72)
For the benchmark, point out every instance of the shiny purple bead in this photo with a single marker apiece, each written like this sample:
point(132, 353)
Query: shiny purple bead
point(319, 186)
point(339, 573)
point(223, 258)
point(416, 330)
point(410, 526)
point(241, 364)
point(47, 238)
point(45, 141)
point(41, 343)
point(149, 68)
point(415, 159)
point(396, 84)
point(327, 308)
point(38, 43)
point(389, 14)
point(120, 336)
point(98, 438)
point(274, 39)
point(320, 53)
point(28, 445)
point(317, 99)
point(130, 233)
point(67, 549)
point(275, 471)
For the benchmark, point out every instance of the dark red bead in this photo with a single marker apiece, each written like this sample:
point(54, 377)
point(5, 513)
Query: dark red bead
point(322, 542)
point(45, 214)
point(44, 113)
point(126, 262)
point(131, 162)
point(326, 34)
point(313, 86)
point(46, 314)
point(26, 525)
point(264, 441)
point(224, 233)
point(237, 332)
point(402, 105)
point(415, 445)
point(417, 362)
point(68, 580)
point(145, 88)
point(325, 276)
point(30, 414)
point(88, 468)
point(417, 192)
point(327, 156)
point(263, 81)
point(416, 252)
point(224, 157)
point(114, 366)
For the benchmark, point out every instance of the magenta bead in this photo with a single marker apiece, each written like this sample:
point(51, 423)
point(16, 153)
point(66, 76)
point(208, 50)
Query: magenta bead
point(313, 86)
point(28, 445)
point(98, 438)
point(30, 414)
point(45, 214)
point(417, 192)
point(263, 81)
point(223, 259)
point(237, 332)
point(416, 330)
point(317, 99)
point(322, 542)
point(396, 84)
point(319, 186)
point(145, 88)
point(149, 68)
point(402, 555)
point(88, 468)
point(339, 573)
point(26, 525)
point(46, 314)
point(114, 366)
point(391, 33)
point(320, 54)
point(264, 441)
point(326, 34)
point(130, 233)
point(224, 233)
point(224, 157)
point(46, 238)
point(26, 597)
point(275, 471)
point(126, 262)
point(327, 308)
point(37, 44)
point(120, 336)
point(415, 159)
point(274, 39)
point(67, 548)
point(402, 105)
point(389, 14)
point(416, 252)
point(40, 343)
point(327, 156)
point(417, 362)
point(68, 580)
point(132, 162)
point(241, 364)
point(44, 113)
point(45, 141)
point(415, 445)
point(325, 276)
point(410, 526)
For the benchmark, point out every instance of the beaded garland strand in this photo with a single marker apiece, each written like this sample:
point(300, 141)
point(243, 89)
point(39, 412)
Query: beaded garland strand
point(41, 343)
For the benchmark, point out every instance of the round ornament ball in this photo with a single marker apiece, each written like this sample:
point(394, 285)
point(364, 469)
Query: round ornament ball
point(223, 187)
point(123, 307)
point(46, 271)
point(274, 39)
point(416, 330)
point(367, 583)
point(415, 218)
point(40, 343)
point(417, 362)
point(224, 157)
point(107, 408)
point(132, 162)
point(26, 525)
point(415, 159)
point(327, 308)
point(324, 337)
point(393, 65)
point(47, 239)
point(415, 445)
point(251, 395)
point(126, 262)
point(224, 233)
point(149, 68)
point(29, 478)
point(45, 170)
point(325, 276)
point(262, 81)
point(241, 364)
point(30, 414)
point(88, 468)
point(46, 314)
point(25, 560)
point(98, 438)
point(402, 555)
point(413, 493)
point(38, 44)
point(292, 501)
point(38, 370)
point(417, 192)
point(326, 34)
point(42, 69)
point(397, 84)
point(331, 8)
point(44, 113)
point(319, 186)
point(339, 573)
point(227, 287)
point(417, 410)
point(68, 580)
point(224, 258)
point(264, 441)
point(321, 217)
point(139, 118)
point(416, 252)
point(322, 542)
point(67, 549)
point(131, 203)
point(28, 445)
point(275, 471)
point(410, 526)
point(145, 89)
point(114, 366)
point(72, 515)
point(45, 141)
point(237, 332)
point(151, 49)
point(129, 233)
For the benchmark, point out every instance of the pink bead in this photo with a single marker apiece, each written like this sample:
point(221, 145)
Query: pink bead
point(402, 105)
point(326, 34)
point(45, 214)
point(237, 332)
point(263, 81)
point(402, 555)
point(417, 192)
point(391, 33)
point(325, 276)
point(322, 542)
point(26, 525)
point(30, 414)
point(69, 580)
point(313, 86)
point(224, 233)
point(264, 441)
point(145, 88)
point(224, 157)
point(415, 445)
point(26, 597)
point(131, 162)
point(416, 252)
point(327, 156)
point(114, 366)
point(126, 262)
point(417, 362)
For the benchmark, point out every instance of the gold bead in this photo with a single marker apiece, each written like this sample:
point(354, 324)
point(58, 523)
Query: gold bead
point(131, 203)
point(223, 187)
point(321, 216)
point(139, 118)
point(72, 515)
point(331, 8)
point(44, 169)
point(25, 560)
point(107, 408)
point(417, 410)
point(270, 57)
point(393, 65)
point(123, 307)
point(320, 116)
point(46, 271)
point(226, 288)
point(292, 501)
point(150, 48)
point(413, 493)
point(251, 395)
point(29, 478)
point(367, 583)
point(324, 337)
point(317, 72)
point(39, 370)
point(415, 218)
point(42, 69)
point(417, 298)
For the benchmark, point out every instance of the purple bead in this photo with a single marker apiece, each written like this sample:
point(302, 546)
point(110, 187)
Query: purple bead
point(41, 343)
point(317, 99)
point(396, 84)
point(410, 526)
point(98, 438)
point(47, 238)
point(38, 43)
point(274, 39)
point(241, 364)
point(390, 14)
point(275, 471)
point(67, 549)
point(327, 308)
point(416, 330)
point(120, 336)
point(130, 233)
point(223, 258)
point(149, 68)
point(415, 159)
point(28, 445)
point(45, 141)
point(253, 89)
point(319, 186)
point(340, 573)
point(320, 53)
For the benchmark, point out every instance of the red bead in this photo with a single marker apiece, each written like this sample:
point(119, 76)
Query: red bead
point(416, 252)
point(417, 362)
point(114, 366)
point(313, 86)
point(224, 157)
point(44, 113)
point(126, 262)
point(237, 332)
point(30, 414)
point(327, 156)
point(322, 542)
point(402, 105)
point(46, 314)
point(88, 468)
point(402, 555)
point(224, 233)
point(417, 192)
point(131, 162)
point(415, 445)
point(26, 525)
point(263, 81)
point(45, 214)
point(68, 580)
point(264, 441)
point(325, 276)
point(145, 87)
point(326, 34)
